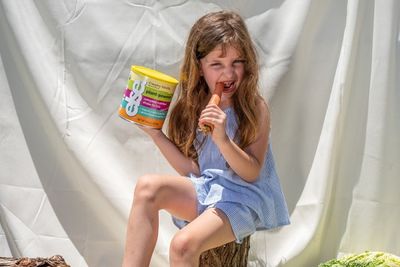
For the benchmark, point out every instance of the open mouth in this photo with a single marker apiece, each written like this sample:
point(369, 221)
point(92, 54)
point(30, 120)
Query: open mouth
point(229, 86)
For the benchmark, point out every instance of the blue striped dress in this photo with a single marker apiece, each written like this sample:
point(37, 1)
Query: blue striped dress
point(249, 206)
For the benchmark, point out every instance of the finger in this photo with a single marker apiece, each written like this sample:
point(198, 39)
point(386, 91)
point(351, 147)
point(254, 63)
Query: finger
point(206, 120)
point(210, 113)
point(212, 107)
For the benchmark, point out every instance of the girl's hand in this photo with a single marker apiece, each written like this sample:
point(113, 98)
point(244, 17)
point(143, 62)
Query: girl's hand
point(152, 132)
point(212, 114)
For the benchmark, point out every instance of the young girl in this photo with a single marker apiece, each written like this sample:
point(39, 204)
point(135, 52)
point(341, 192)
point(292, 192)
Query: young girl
point(228, 186)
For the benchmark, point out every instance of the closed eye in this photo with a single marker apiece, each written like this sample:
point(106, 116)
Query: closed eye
point(216, 66)
point(239, 61)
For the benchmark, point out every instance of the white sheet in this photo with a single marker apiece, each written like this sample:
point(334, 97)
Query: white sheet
point(68, 163)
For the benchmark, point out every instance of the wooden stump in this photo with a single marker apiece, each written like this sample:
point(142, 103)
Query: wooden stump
point(229, 255)
point(54, 261)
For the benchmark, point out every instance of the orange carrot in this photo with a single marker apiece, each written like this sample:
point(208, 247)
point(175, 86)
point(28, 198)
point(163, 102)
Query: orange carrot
point(215, 99)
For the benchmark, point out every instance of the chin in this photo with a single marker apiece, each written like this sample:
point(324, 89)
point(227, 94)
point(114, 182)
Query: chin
point(230, 92)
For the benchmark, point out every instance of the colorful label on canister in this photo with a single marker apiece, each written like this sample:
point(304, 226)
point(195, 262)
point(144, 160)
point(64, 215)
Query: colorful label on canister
point(147, 97)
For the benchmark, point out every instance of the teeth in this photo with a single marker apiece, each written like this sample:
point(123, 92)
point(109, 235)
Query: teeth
point(227, 84)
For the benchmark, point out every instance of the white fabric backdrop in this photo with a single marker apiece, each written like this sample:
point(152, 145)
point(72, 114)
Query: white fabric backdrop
point(68, 164)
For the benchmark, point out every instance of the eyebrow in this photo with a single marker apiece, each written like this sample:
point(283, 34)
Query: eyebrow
point(218, 59)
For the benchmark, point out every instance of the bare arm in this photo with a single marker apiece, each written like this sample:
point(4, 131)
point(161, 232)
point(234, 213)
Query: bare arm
point(245, 163)
point(182, 164)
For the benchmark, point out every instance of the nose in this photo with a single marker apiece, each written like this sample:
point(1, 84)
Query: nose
point(228, 73)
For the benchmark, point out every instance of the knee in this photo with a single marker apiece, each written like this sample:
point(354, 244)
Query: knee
point(146, 189)
point(183, 248)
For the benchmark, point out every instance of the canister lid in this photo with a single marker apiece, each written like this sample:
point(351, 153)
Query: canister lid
point(154, 74)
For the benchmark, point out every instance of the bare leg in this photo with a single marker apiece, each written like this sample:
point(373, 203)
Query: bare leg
point(153, 193)
point(211, 229)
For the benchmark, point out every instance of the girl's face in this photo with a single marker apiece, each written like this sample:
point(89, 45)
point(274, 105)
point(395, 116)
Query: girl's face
point(228, 68)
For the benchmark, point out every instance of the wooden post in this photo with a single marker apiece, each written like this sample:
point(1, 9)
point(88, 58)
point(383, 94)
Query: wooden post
point(229, 255)
point(54, 261)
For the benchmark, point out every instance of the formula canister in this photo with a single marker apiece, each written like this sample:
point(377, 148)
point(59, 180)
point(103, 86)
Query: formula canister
point(147, 97)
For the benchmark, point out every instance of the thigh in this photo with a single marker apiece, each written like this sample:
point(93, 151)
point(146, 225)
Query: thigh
point(210, 229)
point(175, 194)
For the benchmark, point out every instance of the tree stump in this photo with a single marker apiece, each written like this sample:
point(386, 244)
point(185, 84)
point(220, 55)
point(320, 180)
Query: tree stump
point(54, 261)
point(229, 255)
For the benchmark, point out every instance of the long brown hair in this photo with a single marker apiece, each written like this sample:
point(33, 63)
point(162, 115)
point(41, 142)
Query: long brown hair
point(217, 28)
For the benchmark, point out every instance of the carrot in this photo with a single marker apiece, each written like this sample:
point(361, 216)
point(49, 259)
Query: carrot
point(215, 99)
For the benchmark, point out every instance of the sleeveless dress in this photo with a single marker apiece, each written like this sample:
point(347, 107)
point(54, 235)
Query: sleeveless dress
point(249, 206)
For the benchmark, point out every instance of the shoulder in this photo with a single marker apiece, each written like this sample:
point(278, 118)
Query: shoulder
point(263, 112)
